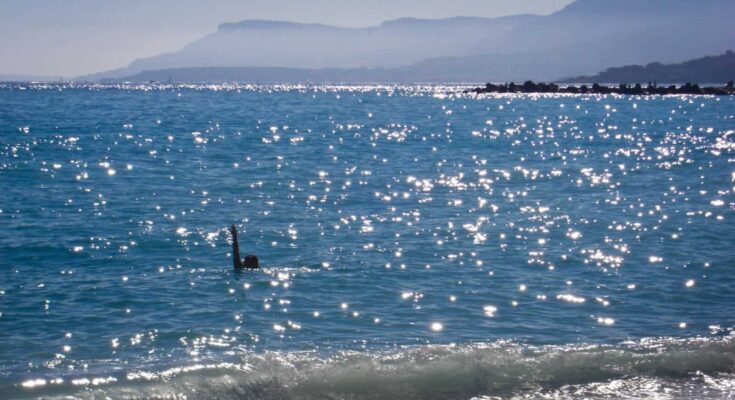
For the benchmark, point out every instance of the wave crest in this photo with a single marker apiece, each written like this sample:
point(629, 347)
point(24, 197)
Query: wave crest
point(497, 370)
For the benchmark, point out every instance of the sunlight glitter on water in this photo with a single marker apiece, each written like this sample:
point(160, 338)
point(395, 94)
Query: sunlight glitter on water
point(383, 220)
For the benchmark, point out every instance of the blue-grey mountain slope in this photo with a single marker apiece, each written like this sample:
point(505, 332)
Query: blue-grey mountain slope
point(585, 37)
point(590, 35)
point(294, 45)
point(714, 69)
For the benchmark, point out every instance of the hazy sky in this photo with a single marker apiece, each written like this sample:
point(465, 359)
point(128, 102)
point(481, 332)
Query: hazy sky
point(66, 38)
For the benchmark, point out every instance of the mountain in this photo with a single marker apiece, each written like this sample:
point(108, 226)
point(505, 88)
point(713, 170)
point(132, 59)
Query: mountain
point(264, 75)
point(627, 8)
point(255, 43)
point(590, 35)
point(717, 69)
point(585, 37)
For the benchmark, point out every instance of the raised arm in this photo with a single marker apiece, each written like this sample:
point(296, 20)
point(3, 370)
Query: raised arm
point(237, 263)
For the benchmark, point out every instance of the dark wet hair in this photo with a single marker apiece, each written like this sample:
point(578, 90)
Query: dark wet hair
point(250, 262)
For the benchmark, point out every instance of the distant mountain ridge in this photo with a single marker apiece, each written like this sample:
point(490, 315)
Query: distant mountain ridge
point(256, 43)
point(585, 37)
point(257, 24)
point(714, 69)
point(646, 7)
point(263, 75)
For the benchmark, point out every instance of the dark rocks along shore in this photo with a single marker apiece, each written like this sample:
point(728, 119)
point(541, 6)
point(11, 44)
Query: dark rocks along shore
point(637, 89)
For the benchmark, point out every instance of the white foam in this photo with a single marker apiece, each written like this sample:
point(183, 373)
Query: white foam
point(641, 369)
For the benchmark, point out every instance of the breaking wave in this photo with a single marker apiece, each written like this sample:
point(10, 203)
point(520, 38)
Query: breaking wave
point(665, 368)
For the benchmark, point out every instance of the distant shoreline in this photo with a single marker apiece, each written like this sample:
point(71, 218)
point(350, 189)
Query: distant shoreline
point(706, 70)
point(529, 87)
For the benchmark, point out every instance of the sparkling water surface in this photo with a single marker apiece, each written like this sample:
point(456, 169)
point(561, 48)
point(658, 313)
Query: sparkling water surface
point(397, 226)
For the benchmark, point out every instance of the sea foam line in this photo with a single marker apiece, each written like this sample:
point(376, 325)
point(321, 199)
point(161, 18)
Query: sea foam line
point(500, 369)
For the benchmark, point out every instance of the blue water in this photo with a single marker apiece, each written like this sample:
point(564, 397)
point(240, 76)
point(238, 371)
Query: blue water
point(417, 243)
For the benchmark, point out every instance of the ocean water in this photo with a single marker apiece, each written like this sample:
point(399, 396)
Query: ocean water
point(417, 243)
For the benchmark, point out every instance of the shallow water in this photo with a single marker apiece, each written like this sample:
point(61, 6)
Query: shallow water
point(417, 243)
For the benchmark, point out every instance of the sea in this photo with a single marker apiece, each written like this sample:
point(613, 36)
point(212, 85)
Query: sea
point(416, 242)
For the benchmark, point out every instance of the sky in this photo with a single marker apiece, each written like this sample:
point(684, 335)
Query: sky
point(68, 38)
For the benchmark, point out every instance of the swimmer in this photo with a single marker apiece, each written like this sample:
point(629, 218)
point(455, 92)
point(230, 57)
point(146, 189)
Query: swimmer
point(250, 261)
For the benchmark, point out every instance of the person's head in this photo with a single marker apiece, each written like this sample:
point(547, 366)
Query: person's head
point(250, 262)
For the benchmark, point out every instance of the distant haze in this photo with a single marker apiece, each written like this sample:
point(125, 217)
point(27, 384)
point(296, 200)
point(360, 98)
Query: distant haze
point(583, 38)
point(56, 38)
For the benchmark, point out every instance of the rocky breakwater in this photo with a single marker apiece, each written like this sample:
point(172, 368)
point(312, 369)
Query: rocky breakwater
point(623, 88)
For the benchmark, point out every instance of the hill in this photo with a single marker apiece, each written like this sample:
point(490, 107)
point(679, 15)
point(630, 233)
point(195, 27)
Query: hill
point(716, 69)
